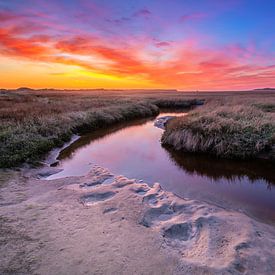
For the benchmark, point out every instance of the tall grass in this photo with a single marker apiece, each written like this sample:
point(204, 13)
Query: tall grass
point(231, 127)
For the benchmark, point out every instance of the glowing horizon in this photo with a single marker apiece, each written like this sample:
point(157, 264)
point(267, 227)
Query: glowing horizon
point(207, 45)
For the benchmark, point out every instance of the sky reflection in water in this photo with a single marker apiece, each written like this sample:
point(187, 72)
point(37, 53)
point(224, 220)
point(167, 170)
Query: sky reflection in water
point(134, 150)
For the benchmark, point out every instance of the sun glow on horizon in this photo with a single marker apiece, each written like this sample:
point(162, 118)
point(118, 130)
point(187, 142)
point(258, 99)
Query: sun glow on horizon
point(149, 44)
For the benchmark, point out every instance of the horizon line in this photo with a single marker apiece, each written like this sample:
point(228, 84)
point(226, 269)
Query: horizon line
point(133, 89)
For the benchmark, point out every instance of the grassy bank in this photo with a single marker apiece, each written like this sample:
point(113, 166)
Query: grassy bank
point(29, 137)
point(34, 122)
point(230, 127)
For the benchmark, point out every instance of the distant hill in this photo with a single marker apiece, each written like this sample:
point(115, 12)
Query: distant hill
point(22, 89)
point(264, 89)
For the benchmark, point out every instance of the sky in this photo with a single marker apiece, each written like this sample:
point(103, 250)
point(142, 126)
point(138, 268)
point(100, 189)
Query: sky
point(156, 44)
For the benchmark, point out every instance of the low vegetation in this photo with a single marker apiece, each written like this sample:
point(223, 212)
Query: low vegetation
point(231, 127)
point(34, 122)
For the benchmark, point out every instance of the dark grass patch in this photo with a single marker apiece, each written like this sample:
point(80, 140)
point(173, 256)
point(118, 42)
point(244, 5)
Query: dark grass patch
point(268, 107)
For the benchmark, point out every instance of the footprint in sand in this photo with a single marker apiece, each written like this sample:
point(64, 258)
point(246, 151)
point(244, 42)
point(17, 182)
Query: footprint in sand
point(108, 179)
point(96, 197)
point(180, 231)
point(157, 214)
point(140, 190)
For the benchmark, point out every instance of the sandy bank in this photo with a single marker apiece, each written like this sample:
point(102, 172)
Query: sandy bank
point(160, 122)
point(106, 224)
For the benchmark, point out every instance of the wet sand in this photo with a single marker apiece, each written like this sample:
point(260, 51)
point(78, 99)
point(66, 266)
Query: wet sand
point(107, 224)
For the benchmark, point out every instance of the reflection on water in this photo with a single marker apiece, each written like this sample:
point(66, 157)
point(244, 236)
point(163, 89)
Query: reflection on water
point(101, 133)
point(134, 150)
point(216, 169)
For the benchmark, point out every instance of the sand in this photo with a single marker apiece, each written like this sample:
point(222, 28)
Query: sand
point(161, 121)
point(107, 224)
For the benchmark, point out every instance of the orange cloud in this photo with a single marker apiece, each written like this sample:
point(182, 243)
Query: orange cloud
point(23, 47)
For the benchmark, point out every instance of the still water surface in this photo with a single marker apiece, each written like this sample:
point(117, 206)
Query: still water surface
point(134, 150)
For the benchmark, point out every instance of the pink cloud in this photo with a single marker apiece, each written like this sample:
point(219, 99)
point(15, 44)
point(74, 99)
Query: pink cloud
point(162, 44)
point(7, 15)
point(193, 16)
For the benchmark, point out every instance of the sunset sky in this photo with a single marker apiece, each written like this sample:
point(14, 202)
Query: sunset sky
point(181, 44)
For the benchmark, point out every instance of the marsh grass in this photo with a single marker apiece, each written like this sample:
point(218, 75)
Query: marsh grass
point(231, 127)
point(26, 138)
point(34, 122)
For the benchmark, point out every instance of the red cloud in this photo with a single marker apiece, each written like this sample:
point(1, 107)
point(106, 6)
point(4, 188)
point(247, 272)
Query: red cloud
point(24, 47)
point(124, 60)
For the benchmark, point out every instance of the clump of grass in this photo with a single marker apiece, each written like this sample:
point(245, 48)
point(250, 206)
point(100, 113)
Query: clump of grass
point(231, 129)
point(266, 107)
